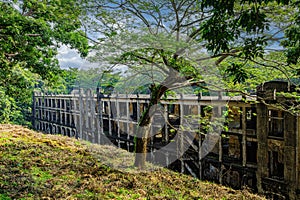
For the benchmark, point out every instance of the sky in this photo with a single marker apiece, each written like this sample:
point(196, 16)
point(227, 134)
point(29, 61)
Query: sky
point(70, 58)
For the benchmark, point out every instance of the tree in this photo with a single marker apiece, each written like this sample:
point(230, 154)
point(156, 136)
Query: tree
point(108, 81)
point(88, 78)
point(64, 84)
point(175, 39)
point(30, 33)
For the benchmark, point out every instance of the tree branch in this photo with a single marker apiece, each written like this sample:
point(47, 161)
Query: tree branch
point(33, 35)
point(274, 67)
point(137, 13)
point(151, 62)
point(225, 55)
point(11, 54)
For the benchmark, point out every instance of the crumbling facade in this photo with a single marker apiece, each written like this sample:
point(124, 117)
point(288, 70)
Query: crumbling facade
point(258, 148)
point(278, 142)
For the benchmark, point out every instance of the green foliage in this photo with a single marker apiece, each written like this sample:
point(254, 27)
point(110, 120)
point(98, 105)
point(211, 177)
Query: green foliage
point(69, 76)
point(5, 106)
point(241, 75)
point(16, 91)
point(30, 33)
point(178, 33)
point(237, 72)
point(292, 41)
point(109, 81)
point(94, 78)
point(4, 197)
point(240, 23)
point(187, 43)
point(88, 78)
point(64, 83)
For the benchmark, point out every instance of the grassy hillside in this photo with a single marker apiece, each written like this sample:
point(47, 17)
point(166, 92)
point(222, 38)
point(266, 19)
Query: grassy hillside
point(39, 166)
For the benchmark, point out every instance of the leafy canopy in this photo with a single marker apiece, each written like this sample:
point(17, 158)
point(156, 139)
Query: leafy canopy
point(185, 42)
point(192, 34)
point(30, 33)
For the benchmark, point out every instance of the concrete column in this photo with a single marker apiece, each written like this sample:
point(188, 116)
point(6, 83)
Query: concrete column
point(181, 134)
point(244, 137)
point(118, 120)
point(166, 117)
point(92, 119)
point(109, 117)
point(60, 111)
point(297, 155)
point(262, 145)
point(34, 99)
point(81, 114)
point(86, 111)
point(127, 122)
point(290, 171)
point(99, 122)
point(220, 143)
point(199, 143)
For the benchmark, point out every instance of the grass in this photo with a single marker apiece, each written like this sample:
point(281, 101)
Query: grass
point(39, 166)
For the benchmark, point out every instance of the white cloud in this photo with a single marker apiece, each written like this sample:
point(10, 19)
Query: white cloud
point(70, 58)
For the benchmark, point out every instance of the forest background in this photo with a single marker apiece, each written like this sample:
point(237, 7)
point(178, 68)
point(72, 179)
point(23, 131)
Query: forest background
point(243, 43)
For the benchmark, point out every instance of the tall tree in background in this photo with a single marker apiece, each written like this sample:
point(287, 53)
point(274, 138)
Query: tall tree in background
point(31, 32)
point(179, 40)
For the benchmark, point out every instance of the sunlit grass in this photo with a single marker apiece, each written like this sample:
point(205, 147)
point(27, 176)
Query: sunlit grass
point(39, 166)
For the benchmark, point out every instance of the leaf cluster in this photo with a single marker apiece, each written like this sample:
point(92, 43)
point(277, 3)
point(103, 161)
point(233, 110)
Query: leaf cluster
point(30, 33)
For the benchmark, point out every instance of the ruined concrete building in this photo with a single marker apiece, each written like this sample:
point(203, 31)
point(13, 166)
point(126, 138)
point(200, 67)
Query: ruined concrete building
point(258, 148)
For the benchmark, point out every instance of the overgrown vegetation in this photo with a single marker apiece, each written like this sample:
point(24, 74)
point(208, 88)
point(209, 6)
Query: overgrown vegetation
point(176, 44)
point(38, 166)
point(30, 34)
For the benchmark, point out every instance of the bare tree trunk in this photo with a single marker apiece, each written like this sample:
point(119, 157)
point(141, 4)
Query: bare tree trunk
point(141, 146)
point(144, 127)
